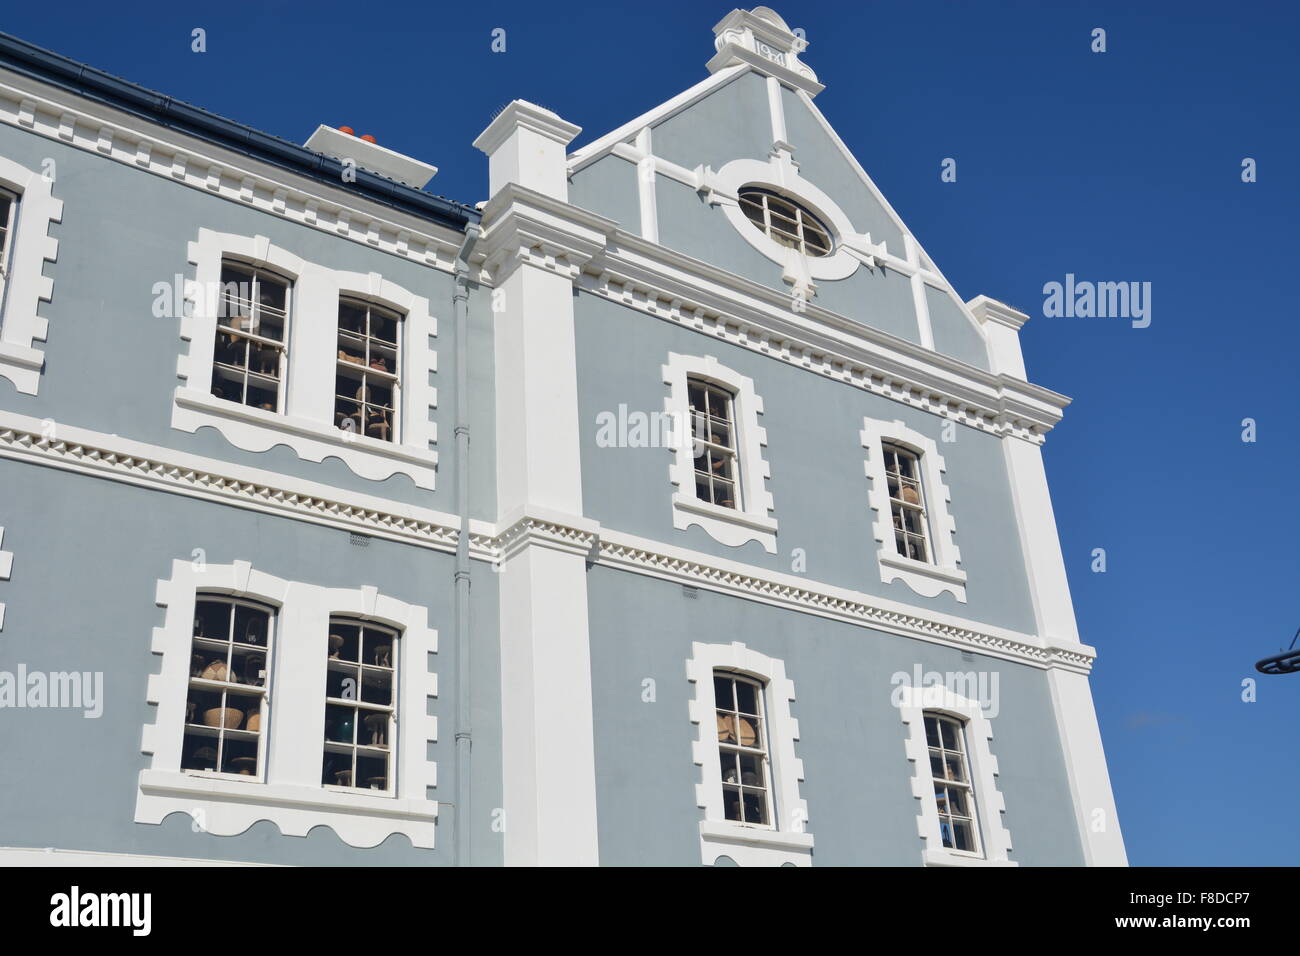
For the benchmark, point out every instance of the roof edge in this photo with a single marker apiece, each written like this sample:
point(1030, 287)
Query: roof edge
point(35, 62)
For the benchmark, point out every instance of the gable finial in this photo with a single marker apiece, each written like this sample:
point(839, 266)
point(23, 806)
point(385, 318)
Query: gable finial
point(761, 39)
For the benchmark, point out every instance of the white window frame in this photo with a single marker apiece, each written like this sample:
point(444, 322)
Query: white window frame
point(25, 286)
point(6, 569)
point(291, 794)
point(995, 840)
point(787, 839)
point(964, 785)
point(943, 571)
point(761, 748)
point(780, 175)
point(360, 706)
point(306, 420)
point(392, 379)
point(751, 519)
point(203, 684)
point(257, 276)
point(6, 240)
point(729, 452)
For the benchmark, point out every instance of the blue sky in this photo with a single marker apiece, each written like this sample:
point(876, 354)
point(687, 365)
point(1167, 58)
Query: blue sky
point(1122, 166)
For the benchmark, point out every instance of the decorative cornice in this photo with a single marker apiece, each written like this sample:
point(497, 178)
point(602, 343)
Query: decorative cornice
point(568, 534)
point(770, 587)
point(991, 310)
point(520, 114)
point(119, 459)
point(63, 446)
point(603, 259)
point(761, 39)
point(678, 289)
point(521, 225)
point(134, 142)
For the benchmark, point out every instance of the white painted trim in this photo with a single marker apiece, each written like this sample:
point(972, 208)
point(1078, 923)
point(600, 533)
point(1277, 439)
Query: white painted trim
point(65, 117)
point(1002, 325)
point(761, 39)
point(6, 569)
point(25, 285)
point(596, 255)
point(645, 179)
point(934, 277)
point(995, 840)
point(290, 794)
point(1085, 764)
point(84, 451)
point(1085, 760)
point(788, 840)
point(581, 158)
point(87, 452)
point(306, 425)
point(779, 174)
point(928, 580)
point(795, 592)
point(58, 856)
point(732, 527)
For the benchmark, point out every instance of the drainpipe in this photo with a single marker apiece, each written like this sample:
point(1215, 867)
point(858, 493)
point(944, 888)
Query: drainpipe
point(464, 742)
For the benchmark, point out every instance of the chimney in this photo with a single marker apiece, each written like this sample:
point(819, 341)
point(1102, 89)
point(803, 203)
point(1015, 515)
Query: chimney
point(343, 144)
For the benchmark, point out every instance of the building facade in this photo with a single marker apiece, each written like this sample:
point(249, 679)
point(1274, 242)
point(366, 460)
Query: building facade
point(667, 508)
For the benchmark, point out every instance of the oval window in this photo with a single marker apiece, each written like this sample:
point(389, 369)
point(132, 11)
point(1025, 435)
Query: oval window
point(785, 221)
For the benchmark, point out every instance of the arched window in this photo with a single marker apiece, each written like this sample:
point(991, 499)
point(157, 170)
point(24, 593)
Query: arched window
point(251, 352)
point(954, 796)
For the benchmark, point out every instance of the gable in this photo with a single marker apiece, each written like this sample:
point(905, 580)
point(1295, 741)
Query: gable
point(672, 176)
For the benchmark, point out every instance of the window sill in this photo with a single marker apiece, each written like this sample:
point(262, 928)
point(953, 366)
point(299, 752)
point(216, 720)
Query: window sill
point(754, 846)
point(928, 580)
point(726, 525)
point(229, 807)
point(955, 858)
point(255, 429)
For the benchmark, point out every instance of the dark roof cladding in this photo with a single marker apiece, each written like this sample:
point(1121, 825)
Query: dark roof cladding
point(27, 59)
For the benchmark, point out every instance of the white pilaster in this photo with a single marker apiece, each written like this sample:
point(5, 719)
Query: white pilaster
point(1001, 325)
point(548, 750)
point(1085, 759)
point(526, 145)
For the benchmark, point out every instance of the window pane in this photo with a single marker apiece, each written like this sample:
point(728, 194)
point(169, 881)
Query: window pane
point(731, 803)
point(722, 692)
point(727, 761)
point(727, 732)
point(724, 493)
point(955, 769)
point(936, 765)
point(751, 770)
point(962, 836)
point(383, 326)
point(746, 697)
point(755, 807)
point(950, 737)
point(352, 317)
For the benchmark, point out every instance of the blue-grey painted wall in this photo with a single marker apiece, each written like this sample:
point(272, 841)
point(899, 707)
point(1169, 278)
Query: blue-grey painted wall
point(851, 739)
point(733, 122)
point(727, 124)
point(608, 187)
point(88, 553)
point(814, 448)
point(110, 365)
